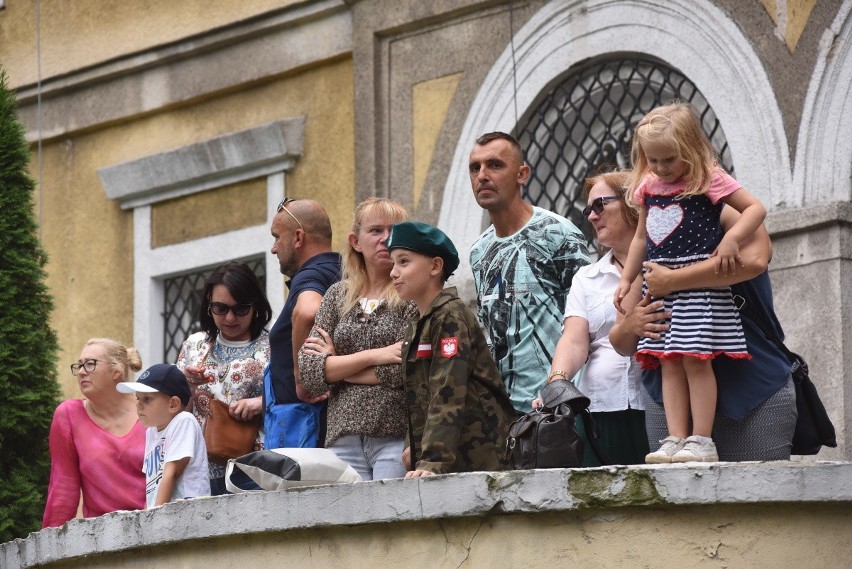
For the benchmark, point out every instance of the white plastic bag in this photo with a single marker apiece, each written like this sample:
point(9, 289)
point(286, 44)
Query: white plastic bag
point(282, 468)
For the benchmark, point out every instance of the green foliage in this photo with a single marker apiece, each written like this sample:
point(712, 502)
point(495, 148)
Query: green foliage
point(28, 347)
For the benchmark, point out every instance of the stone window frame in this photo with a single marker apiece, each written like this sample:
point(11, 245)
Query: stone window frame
point(692, 38)
point(269, 150)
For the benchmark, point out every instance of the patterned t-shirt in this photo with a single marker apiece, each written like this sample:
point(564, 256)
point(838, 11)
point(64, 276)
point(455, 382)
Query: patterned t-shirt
point(522, 281)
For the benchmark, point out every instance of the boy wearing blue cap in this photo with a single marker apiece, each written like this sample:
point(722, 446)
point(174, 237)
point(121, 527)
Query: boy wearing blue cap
point(459, 412)
point(175, 463)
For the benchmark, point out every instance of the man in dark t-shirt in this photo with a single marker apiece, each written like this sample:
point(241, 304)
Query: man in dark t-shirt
point(302, 233)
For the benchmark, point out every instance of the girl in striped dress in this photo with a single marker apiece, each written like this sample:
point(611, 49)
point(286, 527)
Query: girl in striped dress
point(680, 192)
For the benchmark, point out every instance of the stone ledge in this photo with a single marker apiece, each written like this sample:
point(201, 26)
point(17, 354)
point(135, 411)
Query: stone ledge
point(452, 496)
point(799, 220)
point(226, 159)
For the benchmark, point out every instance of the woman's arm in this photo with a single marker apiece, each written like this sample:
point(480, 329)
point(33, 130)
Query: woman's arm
point(572, 350)
point(368, 376)
point(63, 492)
point(340, 367)
point(755, 253)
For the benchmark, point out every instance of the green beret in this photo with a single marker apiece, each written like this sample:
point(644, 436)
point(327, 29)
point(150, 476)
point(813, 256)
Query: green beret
point(426, 239)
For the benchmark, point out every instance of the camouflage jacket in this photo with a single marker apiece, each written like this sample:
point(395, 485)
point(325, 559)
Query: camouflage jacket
point(459, 413)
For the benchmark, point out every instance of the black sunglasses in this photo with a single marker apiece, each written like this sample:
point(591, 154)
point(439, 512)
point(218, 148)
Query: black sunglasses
point(221, 309)
point(597, 205)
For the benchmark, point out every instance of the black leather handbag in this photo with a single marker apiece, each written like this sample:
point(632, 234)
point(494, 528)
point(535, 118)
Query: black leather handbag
point(547, 437)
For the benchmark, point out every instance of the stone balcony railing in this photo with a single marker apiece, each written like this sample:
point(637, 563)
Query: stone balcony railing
point(774, 514)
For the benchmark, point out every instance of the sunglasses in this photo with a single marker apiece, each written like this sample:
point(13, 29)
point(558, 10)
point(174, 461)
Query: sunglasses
point(221, 309)
point(283, 207)
point(597, 205)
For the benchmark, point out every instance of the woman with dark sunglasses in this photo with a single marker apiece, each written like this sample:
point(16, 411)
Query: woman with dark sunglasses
point(611, 381)
point(225, 360)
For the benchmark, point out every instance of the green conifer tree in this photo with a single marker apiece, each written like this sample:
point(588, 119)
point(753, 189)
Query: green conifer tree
point(28, 346)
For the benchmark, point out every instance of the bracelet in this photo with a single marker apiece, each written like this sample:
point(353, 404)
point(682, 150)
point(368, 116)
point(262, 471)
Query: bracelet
point(555, 373)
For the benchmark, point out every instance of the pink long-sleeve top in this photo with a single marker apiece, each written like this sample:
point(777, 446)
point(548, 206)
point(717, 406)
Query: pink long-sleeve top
point(83, 456)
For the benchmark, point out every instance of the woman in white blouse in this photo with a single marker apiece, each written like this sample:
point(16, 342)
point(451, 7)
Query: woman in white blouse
point(612, 382)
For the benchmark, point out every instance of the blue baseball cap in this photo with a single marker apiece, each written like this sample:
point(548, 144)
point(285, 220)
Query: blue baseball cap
point(159, 378)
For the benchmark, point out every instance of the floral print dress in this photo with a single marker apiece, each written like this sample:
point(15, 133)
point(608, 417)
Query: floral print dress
point(233, 370)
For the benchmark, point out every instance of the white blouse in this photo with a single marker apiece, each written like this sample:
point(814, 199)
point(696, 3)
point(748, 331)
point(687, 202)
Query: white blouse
point(611, 381)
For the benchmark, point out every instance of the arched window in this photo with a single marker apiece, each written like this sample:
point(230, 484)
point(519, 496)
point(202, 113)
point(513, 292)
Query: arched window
point(585, 120)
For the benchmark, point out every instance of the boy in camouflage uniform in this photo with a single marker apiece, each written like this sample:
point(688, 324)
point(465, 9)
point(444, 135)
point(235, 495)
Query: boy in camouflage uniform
point(458, 409)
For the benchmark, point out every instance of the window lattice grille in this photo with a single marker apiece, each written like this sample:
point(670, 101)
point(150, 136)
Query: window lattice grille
point(586, 121)
point(181, 299)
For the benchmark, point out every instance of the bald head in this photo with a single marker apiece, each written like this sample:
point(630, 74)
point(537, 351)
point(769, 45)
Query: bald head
point(312, 216)
point(301, 229)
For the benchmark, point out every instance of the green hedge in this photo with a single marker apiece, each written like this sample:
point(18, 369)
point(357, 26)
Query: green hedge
point(28, 347)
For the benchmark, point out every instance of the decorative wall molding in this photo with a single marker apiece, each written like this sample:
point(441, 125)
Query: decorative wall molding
point(226, 159)
point(824, 151)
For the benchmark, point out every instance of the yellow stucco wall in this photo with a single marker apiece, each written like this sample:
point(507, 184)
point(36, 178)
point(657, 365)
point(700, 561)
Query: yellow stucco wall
point(797, 13)
point(91, 262)
point(208, 213)
point(75, 34)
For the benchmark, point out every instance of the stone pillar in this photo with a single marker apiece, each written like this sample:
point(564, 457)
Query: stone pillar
point(811, 272)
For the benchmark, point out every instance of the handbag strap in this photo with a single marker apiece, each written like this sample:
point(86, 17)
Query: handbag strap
point(755, 316)
point(592, 436)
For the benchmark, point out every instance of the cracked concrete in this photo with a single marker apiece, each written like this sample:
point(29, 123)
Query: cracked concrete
point(482, 519)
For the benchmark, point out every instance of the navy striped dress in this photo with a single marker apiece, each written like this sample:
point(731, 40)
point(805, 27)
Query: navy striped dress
point(705, 322)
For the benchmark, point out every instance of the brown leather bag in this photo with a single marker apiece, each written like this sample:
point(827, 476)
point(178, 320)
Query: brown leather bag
point(225, 436)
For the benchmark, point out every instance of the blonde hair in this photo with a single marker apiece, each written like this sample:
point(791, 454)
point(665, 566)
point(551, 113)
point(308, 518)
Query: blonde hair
point(679, 126)
point(354, 266)
point(122, 358)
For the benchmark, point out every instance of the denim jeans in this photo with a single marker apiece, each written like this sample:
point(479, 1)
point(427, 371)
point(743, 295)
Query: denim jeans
point(374, 458)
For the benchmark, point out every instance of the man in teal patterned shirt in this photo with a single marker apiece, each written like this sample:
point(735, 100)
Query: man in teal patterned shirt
point(523, 265)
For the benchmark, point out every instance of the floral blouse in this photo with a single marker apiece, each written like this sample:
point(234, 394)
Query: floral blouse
point(233, 370)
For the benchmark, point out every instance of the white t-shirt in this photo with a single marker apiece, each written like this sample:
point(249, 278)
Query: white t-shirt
point(612, 382)
point(181, 438)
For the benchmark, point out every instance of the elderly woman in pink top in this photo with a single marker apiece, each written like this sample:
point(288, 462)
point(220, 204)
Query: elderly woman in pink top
point(97, 443)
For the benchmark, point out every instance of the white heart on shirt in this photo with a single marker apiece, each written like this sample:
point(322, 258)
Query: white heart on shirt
point(662, 221)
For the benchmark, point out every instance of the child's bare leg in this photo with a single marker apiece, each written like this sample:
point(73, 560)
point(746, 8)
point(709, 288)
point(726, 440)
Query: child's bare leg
point(702, 394)
point(676, 397)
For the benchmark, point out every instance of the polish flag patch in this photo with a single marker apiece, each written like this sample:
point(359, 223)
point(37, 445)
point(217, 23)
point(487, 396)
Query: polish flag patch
point(424, 350)
point(449, 347)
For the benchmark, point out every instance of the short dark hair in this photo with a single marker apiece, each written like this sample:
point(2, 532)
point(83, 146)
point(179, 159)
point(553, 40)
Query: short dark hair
point(245, 287)
point(497, 135)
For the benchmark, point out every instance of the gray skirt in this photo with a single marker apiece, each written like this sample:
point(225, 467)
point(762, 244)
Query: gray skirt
point(764, 434)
